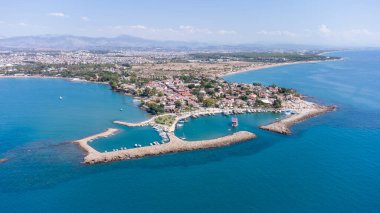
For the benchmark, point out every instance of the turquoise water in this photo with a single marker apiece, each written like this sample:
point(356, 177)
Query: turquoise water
point(331, 163)
point(127, 137)
point(219, 125)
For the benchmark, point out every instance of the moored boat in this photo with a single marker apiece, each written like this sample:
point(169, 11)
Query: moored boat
point(234, 122)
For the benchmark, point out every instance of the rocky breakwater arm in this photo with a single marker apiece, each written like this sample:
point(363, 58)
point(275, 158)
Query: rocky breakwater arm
point(175, 145)
point(282, 126)
point(143, 123)
point(83, 143)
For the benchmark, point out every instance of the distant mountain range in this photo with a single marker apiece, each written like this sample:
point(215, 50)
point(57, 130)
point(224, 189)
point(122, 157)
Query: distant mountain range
point(69, 42)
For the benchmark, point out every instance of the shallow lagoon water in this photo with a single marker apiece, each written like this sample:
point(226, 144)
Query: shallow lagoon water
point(330, 163)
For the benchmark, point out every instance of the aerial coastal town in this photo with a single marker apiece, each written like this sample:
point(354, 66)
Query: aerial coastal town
point(188, 93)
point(165, 82)
point(173, 86)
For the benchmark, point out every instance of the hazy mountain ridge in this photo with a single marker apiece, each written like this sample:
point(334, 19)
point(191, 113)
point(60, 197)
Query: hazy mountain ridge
point(70, 42)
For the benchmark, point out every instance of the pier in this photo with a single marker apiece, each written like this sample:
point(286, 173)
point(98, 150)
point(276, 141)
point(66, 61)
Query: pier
point(83, 143)
point(175, 145)
point(282, 126)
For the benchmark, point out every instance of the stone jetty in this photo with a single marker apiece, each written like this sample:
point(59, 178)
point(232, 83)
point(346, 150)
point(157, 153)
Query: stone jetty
point(282, 126)
point(174, 145)
point(83, 143)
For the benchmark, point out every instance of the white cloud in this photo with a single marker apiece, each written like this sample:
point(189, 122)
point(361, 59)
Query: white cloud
point(22, 24)
point(277, 33)
point(324, 29)
point(192, 29)
point(57, 14)
point(138, 27)
point(181, 32)
point(322, 34)
point(85, 18)
point(226, 32)
point(350, 34)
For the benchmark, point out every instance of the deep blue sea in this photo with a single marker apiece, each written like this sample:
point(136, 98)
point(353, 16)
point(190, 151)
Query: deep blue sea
point(330, 164)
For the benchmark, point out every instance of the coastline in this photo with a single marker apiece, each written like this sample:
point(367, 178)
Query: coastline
point(302, 110)
point(51, 77)
point(272, 66)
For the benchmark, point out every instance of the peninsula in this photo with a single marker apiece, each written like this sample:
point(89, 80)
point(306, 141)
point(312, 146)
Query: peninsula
point(173, 87)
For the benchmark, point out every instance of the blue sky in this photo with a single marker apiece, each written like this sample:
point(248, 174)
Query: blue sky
point(333, 22)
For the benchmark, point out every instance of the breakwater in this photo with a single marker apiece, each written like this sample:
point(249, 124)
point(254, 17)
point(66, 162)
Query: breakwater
point(83, 143)
point(282, 126)
point(174, 145)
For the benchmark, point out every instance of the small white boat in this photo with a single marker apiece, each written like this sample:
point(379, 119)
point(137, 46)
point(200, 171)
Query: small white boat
point(121, 109)
point(288, 112)
point(234, 122)
point(60, 97)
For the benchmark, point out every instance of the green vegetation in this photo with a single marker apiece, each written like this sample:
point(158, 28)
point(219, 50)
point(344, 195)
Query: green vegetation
point(113, 84)
point(90, 72)
point(259, 57)
point(259, 103)
point(209, 102)
point(147, 92)
point(277, 103)
point(155, 108)
point(286, 91)
point(165, 120)
point(178, 104)
point(186, 78)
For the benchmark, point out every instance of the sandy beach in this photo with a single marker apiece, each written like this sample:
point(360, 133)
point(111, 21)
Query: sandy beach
point(266, 66)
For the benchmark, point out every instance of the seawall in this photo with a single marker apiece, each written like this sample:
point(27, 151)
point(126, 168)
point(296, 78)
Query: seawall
point(175, 145)
point(282, 126)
